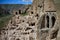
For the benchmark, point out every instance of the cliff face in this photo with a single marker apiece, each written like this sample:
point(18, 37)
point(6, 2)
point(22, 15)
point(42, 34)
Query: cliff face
point(21, 27)
point(38, 24)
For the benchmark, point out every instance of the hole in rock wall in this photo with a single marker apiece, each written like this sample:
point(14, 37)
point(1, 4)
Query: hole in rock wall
point(22, 20)
point(25, 33)
point(31, 12)
point(40, 6)
point(27, 28)
point(32, 24)
point(36, 15)
point(16, 13)
point(53, 20)
point(19, 11)
point(47, 21)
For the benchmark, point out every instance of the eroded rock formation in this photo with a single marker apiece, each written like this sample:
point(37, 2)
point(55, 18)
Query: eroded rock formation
point(39, 24)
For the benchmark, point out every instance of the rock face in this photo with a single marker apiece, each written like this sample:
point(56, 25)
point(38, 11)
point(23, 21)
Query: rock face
point(39, 24)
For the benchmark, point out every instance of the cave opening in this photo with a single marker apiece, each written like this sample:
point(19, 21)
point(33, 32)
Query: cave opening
point(47, 21)
point(53, 20)
point(16, 13)
point(19, 11)
point(31, 12)
point(32, 24)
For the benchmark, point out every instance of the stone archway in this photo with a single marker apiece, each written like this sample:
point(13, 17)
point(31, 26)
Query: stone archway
point(46, 23)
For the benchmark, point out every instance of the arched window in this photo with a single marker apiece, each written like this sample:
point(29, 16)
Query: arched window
point(47, 17)
point(53, 20)
point(47, 21)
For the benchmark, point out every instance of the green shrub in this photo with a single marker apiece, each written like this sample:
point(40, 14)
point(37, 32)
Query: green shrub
point(4, 20)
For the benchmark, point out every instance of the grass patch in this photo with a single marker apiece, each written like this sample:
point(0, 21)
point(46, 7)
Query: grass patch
point(24, 14)
point(4, 20)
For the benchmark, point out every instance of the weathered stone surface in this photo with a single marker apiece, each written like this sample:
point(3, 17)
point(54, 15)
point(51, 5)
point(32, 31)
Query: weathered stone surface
point(34, 26)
